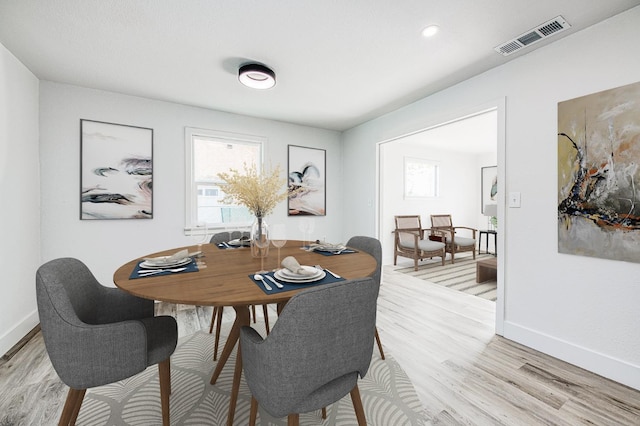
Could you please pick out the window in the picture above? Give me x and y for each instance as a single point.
(208, 153)
(421, 178)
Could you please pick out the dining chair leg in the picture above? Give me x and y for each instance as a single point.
(164, 370)
(218, 327)
(379, 344)
(293, 419)
(71, 407)
(357, 406)
(324, 413)
(76, 410)
(266, 318)
(253, 312)
(253, 414)
(213, 319)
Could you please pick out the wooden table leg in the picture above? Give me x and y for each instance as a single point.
(235, 388)
(242, 318)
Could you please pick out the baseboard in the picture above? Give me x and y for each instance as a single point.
(18, 332)
(604, 365)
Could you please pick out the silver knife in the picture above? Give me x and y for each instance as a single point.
(274, 281)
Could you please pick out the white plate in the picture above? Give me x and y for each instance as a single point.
(310, 272)
(287, 275)
(159, 265)
(299, 281)
(239, 243)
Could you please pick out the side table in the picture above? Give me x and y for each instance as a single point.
(486, 233)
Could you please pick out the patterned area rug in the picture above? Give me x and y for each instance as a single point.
(460, 276)
(387, 394)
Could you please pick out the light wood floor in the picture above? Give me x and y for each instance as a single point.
(462, 372)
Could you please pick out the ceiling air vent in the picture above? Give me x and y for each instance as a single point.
(534, 35)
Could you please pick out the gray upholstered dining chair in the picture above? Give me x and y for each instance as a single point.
(320, 345)
(96, 335)
(216, 316)
(373, 247)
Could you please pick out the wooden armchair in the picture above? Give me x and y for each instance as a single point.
(410, 241)
(454, 244)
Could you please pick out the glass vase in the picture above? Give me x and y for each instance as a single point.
(259, 238)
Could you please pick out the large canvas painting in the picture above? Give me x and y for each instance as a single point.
(116, 171)
(599, 174)
(306, 181)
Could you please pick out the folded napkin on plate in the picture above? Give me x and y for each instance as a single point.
(292, 265)
(163, 260)
(326, 247)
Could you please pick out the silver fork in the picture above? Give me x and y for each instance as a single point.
(322, 269)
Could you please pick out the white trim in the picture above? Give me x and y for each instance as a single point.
(596, 362)
(18, 332)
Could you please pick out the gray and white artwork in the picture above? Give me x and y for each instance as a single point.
(117, 171)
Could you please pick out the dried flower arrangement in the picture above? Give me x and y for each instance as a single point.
(259, 192)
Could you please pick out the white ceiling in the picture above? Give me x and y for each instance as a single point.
(338, 62)
(476, 134)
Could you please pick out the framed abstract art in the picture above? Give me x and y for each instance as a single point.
(599, 173)
(306, 171)
(116, 163)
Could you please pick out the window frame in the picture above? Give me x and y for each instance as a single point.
(191, 190)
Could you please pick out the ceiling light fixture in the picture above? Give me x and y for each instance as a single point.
(430, 31)
(257, 76)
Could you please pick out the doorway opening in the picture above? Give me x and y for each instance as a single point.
(461, 148)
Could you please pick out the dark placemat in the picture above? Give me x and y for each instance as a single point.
(190, 267)
(287, 286)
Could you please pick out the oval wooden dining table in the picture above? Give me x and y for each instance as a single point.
(225, 281)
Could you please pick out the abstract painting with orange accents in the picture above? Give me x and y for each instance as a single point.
(599, 174)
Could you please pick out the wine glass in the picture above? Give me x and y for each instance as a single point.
(202, 237)
(263, 245)
(278, 239)
(306, 225)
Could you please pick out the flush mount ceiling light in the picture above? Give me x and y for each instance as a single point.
(257, 76)
(430, 31)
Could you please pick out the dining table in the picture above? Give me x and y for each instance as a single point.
(223, 275)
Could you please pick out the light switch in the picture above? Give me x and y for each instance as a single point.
(514, 199)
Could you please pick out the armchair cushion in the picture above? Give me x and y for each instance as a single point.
(429, 246)
(465, 242)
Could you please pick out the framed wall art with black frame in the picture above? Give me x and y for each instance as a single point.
(307, 181)
(489, 185)
(116, 171)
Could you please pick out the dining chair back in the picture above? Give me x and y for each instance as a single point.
(320, 345)
(226, 236)
(443, 224)
(373, 247)
(96, 335)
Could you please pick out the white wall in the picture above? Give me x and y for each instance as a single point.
(20, 199)
(105, 245)
(579, 309)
